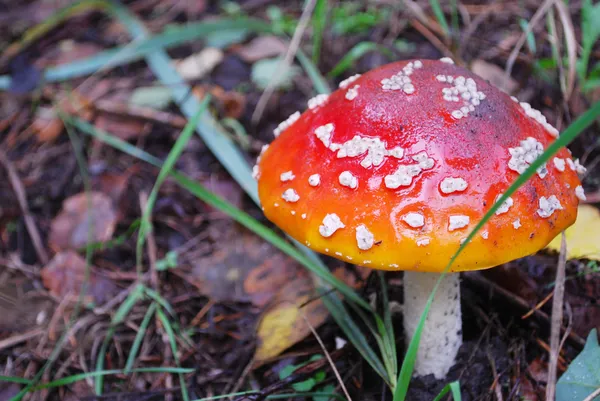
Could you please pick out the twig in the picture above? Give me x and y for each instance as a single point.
(591, 397)
(539, 14)
(537, 306)
(335, 371)
(557, 316)
(287, 60)
(22, 199)
(19, 338)
(567, 23)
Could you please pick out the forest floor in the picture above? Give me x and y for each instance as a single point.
(174, 313)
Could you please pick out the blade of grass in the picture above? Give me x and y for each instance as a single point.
(83, 376)
(356, 53)
(439, 15)
(139, 337)
(453, 387)
(173, 343)
(318, 25)
(133, 298)
(355, 336)
(14, 379)
(165, 170)
(387, 333)
(575, 129)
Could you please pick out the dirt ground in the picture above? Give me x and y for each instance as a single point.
(216, 277)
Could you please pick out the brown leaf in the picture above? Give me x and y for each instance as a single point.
(122, 127)
(244, 269)
(494, 74)
(81, 214)
(112, 184)
(48, 125)
(261, 47)
(284, 324)
(231, 104)
(64, 276)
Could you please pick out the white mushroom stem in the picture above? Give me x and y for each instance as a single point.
(442, 334)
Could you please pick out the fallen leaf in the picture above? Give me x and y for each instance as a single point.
(268, 71)
(200, 64)
(123, 127)
(230, 103)
(112, 184)
(261, 47)
(284, 324)
(582, 377)
(156, 97)
(243, 269)
(84, 217)
(64, 276)
(46, 124)
(582, 239)
(494, 74)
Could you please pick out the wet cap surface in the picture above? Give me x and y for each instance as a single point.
(395, 168)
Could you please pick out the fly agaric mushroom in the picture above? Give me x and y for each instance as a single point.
(394, 169)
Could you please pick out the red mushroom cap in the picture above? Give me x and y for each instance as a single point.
(395, 168)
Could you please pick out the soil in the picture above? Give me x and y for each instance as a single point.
(504, 356)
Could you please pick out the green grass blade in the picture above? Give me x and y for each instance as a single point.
(386, 330)
(355, 336)
(453, 387)
(319, 82)
(173, 343)
(356, 53)
(14, 379)
(319, 20)
(439, 15)
(139, 337)
(160, 300)
(133, 298)
(575, 129)
(83, 376)
(165, 170)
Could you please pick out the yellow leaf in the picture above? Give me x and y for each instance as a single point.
(283, 325)
(583, 240)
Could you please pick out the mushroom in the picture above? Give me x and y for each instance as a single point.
(395, 168)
